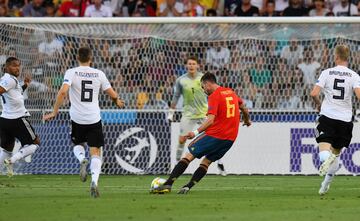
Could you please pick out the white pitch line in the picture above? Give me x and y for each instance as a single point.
(142, 189)
(129, 188)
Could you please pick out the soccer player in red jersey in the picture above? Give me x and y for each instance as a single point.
(214, 137)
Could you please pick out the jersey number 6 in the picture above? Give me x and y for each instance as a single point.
(230, 107)
(86, 93)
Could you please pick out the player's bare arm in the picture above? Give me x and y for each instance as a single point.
(2, 90)
(246, 115)
(27, 81)
(315, 96)
(115, 98)
(59, 101)
(357, 93)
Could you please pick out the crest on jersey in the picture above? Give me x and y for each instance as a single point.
(135, 142)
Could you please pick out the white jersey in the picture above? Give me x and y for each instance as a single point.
(13, 99)
(85, 83)
(338, 84)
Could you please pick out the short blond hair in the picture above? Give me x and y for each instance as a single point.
(343, 52)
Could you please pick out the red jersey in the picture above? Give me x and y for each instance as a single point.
(224, 104)
(69, 10)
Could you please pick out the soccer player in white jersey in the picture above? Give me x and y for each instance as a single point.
(83, 84)
(194, 106)
(13, 120)
(334, 126)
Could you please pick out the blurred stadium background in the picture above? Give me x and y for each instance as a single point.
(271, 63)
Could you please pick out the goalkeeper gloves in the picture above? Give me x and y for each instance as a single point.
(170, 116)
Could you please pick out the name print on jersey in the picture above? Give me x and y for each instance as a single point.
(87, 74)
(340, 73)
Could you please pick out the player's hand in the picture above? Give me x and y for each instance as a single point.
(247, 123)
(182, 139)
(190, 135)
(48, 117)
(27, 80)
(120, 103)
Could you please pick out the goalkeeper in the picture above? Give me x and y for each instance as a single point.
(194, 104)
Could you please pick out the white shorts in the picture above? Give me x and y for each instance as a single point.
(187, 125)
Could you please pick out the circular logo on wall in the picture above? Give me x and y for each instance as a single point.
(129, 160)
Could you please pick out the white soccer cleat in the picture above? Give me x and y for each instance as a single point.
(184, 190)
(9, 168)
(83, 171)
(324, 188)
(326, 164)
(221, 169)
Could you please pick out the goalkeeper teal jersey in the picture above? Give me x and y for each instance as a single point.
(195, 100)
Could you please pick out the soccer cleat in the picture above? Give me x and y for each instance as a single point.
(221, 169)
(184, 190)
(326, 164)
(9, 168)
(161, 189)
(94, 191)
(83, 172)
(324, 188)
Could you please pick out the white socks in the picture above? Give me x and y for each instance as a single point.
(4, 154)
(332, 170)
(179, 151)
(334, 166)
(323, 155)
(79, 152)
(95, 168)
(95, 162)
(219, 161)
(24, 152)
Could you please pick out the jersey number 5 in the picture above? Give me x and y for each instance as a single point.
(339, 88)
(230, 107)
(86, 93)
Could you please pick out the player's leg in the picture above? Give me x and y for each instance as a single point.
(78, 137)
(4, 154)
(7, 142)
(196, 123)
(213, 149)
(181, 166)
(326, 157)
(7, 145)
(344, 131)
(221, 167)
(197, 176)
(329, 177)
(79, 152)
(195, 151)
(186, 125)
(29, 140)
(178, 170)
(95, 139)
(326, 133)
(95, 169)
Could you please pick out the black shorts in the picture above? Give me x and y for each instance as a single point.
(92, 134)
(19, 128)
(336, 132)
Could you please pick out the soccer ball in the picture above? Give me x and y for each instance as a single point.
(156, 183)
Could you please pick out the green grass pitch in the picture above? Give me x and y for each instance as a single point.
(248, 198)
